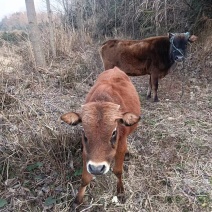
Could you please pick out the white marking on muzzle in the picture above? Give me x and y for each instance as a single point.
(179, 59)
(106, 164)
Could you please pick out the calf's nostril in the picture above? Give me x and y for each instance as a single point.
(91, 168)
(103, 168)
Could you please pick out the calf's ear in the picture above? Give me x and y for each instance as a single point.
(192, 38)
(129, 119)
(71, 118)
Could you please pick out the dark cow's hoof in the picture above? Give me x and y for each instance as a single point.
(127, 156)
(156, 100)
(121, 198)
(148, 97)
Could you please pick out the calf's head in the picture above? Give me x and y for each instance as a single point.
(178, 44)
(101, 132)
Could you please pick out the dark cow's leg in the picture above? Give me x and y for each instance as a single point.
(149, 89)
(118, 167)
(154, 82)
(86, 179)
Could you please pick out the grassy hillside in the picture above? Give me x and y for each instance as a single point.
(170, 164)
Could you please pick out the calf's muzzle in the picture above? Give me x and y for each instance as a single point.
(96, 170)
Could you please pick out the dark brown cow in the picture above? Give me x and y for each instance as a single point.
(153, 56)
(110, 113)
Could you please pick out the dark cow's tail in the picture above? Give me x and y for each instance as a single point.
(105, 49)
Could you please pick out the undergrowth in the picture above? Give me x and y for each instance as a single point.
(170, 166)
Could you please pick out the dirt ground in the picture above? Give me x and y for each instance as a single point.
(170, 163)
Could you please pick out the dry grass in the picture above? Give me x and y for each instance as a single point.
(170, 166)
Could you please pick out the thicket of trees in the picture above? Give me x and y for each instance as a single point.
(135, 18)
(97, 19)
(128, 18)
(18, 21)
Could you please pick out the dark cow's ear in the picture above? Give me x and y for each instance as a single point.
(71, 118)
(129, 119)
(187, 35)
(192, 38)
(170, 35)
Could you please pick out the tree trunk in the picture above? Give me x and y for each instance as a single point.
(51, 31)
(34, 34)
(165, 15)
(80, 18)
(157, 16)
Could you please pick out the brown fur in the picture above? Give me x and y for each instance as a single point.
(140, 57)
(112, 103)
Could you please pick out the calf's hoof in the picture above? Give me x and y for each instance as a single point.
(74, 207)
(121, 198)
(77, 201)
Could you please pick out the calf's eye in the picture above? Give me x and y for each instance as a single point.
(114, 133)
(113, 137)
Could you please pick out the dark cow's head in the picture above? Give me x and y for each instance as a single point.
(179, 43)
(101, 131)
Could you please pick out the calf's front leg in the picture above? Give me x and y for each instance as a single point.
(118, 167)
(86, 179)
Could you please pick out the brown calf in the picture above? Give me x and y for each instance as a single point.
(110, 113)
(153, 56)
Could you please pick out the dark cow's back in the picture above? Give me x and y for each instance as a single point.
(137, 57)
